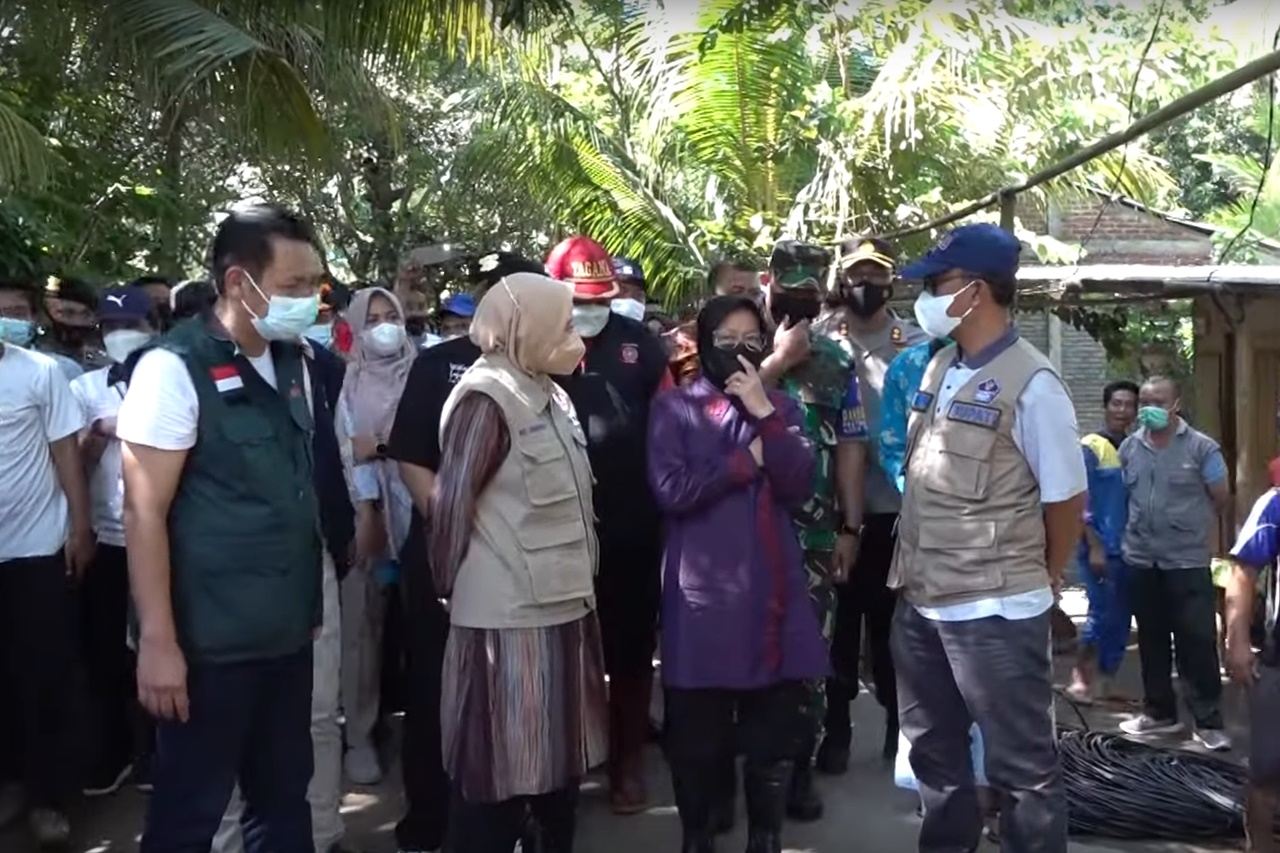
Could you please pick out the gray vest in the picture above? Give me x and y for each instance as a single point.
(1170, 511)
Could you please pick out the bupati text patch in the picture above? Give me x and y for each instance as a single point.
(973, 413)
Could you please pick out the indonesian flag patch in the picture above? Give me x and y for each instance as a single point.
(226, 378)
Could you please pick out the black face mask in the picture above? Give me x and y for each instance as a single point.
(415, 327)
(71, 336)
(719, 363)
(784, 305)
(864, 299)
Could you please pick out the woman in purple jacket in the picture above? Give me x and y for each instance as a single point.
(729, 463)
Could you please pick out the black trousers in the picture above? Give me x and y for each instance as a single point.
(496, 827)
(38, 746)
(426, 628)
(700, 731)
(1177, 613)
(112, 714)
(628, 596)
(864, 599)
(998, 673)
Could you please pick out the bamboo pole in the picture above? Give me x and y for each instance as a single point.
(1242, 76)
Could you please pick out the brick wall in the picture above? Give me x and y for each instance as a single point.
(1123, 236)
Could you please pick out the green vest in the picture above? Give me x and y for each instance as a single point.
(244, 540)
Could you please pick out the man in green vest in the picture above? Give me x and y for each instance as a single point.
(222, 527)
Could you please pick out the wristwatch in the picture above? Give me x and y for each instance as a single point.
(850, 530)
(380, 450)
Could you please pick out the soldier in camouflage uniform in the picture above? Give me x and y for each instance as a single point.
(822, 378)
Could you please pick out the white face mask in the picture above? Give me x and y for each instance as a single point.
(384, 339)
(932, 316)
(630, 308)
(288, 317)
(122, 343)
(590, 320)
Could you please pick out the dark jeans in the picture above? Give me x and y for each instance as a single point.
(250, 723)
(112, 713)
(37, 671)
(496, 827)
(700, 731)
(997, 673)
(1177, 614)
(426, 628)
(867, 598)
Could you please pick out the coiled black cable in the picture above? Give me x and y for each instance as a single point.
(1117, 788)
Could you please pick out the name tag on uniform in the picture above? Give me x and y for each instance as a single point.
(922, 401)
(533, 429)
(987, 417)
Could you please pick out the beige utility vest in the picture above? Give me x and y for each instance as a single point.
(971, 526)
(531, 560)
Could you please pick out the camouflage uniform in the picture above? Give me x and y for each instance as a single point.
(826, 389)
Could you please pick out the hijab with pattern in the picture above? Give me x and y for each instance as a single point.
(525, 317)
(373, 383)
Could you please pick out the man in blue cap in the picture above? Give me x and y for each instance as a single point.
(991, 515)
(630, 301)
(456, 312)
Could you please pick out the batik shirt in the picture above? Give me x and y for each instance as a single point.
(901, 381)
(826, 387)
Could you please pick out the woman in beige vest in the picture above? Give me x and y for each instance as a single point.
(513, 549)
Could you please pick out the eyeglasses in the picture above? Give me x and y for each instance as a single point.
(754, 342)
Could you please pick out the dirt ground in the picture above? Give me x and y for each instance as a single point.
(864, 810)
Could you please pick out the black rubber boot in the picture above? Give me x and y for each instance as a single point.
(833, 757)
(695, 794)
(724, 802)
(890, 749)
(803, 803)
(766, 789)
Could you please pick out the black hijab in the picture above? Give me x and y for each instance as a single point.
(719, 364)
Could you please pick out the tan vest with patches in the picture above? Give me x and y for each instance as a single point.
(972, 526)
(532, 557)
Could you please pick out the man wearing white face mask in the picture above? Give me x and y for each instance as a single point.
(127, 325)
(624, 368)
(991, 515)
(224, 524)
(630, 301)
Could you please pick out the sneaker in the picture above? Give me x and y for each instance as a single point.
(1144, 725)
(107, 782)
(50, 828)
(1214, 740)
(361, 764)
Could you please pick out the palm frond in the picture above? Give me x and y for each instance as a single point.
(26, 159)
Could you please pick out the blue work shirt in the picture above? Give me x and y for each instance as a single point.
(1108, 508)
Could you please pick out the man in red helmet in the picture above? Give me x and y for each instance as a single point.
(624, 368)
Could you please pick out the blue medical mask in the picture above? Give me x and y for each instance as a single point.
(630, 308)
(288, 317)
(321, 333)
(20, 333)
(1154, 417)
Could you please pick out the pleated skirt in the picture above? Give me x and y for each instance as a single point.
(523, 710)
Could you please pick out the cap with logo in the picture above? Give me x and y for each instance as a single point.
(981, 249)
(71, 290)
(584, 264)
(459, 304)
(796, 264)
(858, 250)
(127, 304)
(487, 270)
(625, 269)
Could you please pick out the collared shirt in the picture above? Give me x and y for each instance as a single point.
(1257, 548)
(1045, 432)
(901, 381)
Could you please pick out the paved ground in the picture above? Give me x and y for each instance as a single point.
(865, 812)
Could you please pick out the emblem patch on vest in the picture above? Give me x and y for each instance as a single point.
(987, 417)
(630, 353)
(987, 391)
(922, 401)
(895, 336)
(226, 378)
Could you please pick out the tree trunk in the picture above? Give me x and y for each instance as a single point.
(169, 252)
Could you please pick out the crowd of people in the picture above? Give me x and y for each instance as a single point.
(236, 509)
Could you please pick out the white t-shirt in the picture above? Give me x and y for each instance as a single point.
(100, 400)
(36, 409)
(161, 409)
(1046, 432)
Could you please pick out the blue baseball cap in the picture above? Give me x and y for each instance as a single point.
(629, 270)
(982, 249)
(461, 304)
(124, 305)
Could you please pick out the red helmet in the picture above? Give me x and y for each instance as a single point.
(584, 264)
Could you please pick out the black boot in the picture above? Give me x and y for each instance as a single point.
(696, 793)
(803, 803)
(890, 749)
(766, 789)
(833, 757)
(724, 802)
